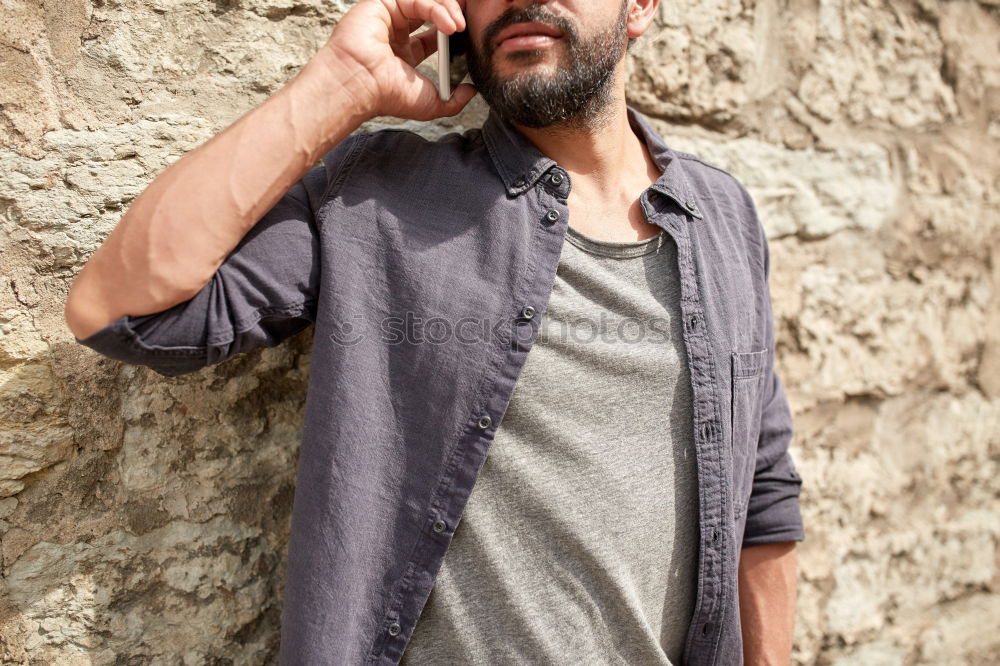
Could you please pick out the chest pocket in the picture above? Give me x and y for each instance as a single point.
(747, 391)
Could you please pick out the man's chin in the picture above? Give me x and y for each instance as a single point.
(540, 73)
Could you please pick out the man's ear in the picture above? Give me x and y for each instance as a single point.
(640, 16)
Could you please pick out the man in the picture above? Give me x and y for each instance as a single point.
(638, 504)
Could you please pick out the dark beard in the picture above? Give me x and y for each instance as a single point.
(578, 96)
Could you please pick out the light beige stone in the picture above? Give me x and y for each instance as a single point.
(146, 519)
(808, 193)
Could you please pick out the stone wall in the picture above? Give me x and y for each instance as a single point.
(144, 518)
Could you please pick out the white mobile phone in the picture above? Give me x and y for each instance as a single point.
(444, 67)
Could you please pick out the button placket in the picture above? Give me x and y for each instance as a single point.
(546, 199)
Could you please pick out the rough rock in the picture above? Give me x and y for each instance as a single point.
(145, 519)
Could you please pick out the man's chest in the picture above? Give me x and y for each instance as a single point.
(622, 223)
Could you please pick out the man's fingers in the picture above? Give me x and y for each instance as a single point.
(433, 11)
(423, 44)
(404, 91)
(399, 24)
(417, 48)
(457, 11)
(427, 104)
(461, 96)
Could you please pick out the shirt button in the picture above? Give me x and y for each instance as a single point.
(552, 215)
(394, 629)
(691, 207)
(439, 526)
(527, 312)
(556, 178)
(484, 422)
(520, 182)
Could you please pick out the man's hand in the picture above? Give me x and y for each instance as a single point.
(374, 40)
(767, 579)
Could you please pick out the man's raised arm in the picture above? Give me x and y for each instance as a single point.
(179, 230)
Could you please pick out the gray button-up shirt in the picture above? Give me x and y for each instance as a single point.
(426, 267)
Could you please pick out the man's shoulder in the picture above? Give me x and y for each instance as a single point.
(723, 197)
(706, 177)
(417, 141)
(403, 158)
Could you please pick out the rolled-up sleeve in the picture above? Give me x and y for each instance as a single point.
(773, 514)
(264, 291)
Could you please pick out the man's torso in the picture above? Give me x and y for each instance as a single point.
(579, 542)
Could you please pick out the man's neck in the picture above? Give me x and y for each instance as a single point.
(609, 167)
(603, 158)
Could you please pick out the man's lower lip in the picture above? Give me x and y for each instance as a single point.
(527, 42)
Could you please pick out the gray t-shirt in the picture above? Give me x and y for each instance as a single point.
(579, 542)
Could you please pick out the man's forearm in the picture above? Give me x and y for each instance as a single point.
(180, 228)
(767, 594)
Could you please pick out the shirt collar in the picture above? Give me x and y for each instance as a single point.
(520, 164)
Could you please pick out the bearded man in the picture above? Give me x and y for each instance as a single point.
(622, 494)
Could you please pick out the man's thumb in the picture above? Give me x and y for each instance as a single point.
(460, 96)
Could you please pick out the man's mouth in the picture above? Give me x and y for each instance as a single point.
(528, 35)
